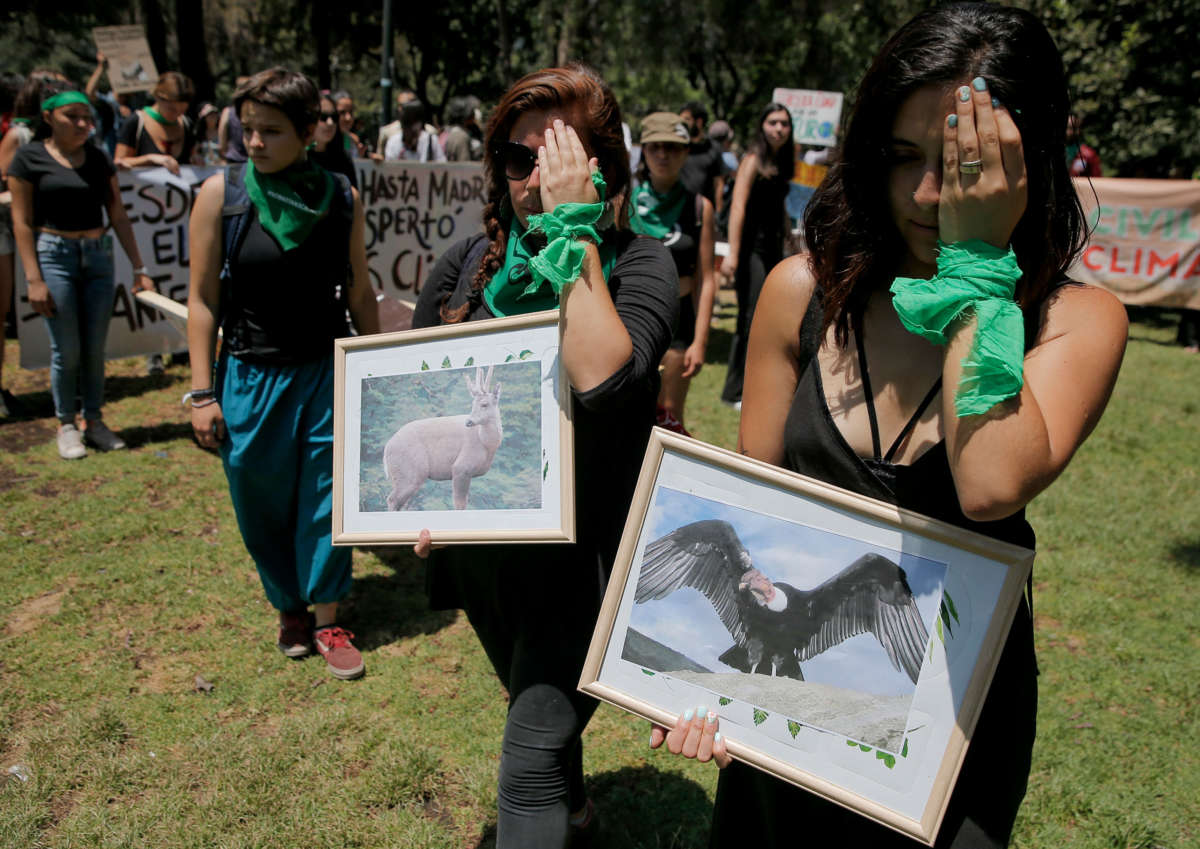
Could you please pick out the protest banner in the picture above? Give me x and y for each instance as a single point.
(1145, 240)
(413, 212)
(815, 114)
(130, 63)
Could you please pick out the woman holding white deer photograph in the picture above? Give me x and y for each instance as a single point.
(556, 236)
(277, 260)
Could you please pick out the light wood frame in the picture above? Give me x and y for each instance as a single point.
(553, 522)
(911, 793)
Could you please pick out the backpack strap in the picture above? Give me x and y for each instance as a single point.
(235, 215)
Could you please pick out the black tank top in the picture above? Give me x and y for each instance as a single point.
(684, 240)
(814, 446)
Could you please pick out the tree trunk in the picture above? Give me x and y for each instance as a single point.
(193, 52)
(320, 30)
(156, 33)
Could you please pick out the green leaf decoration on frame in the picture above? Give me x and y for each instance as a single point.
(793, 728)
(545, 470)
(424, 366)
(851, 743)
(445, 362)
(904, 751)
(470, 361)
(526, 354)
(647, 672)
(724, 700)
(760, 716)
(938, 624)
(945, 617)
(949, 602)
(509, 358)
(889, 760)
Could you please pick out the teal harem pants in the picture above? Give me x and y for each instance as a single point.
(278, 456)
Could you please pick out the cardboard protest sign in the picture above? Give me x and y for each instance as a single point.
(130, 63)
(815, 114)
(1145, 242)
(413, 212)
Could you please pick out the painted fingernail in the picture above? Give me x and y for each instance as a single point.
(964, 94)
(701, 710)
(717, 737)
(712, 717)
(979, 84)
(952, 121)
(995, 103)
(688, 714)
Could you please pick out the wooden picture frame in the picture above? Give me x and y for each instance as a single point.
(882, 731)
(417, 413)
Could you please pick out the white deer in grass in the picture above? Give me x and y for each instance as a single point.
(453, 448)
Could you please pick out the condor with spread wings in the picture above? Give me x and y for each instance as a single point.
(775, 622)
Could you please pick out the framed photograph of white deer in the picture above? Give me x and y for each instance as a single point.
(845, 644)
(462, 429)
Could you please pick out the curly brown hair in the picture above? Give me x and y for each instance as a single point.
(572, 88)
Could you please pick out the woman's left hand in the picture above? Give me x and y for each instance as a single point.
(695, 735)
(144, 283)
(564, 169)
(986, 205)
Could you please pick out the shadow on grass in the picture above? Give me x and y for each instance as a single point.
(387, 608)
(117, 387)
(639, 808)
(138, 437)
(719, 343)
(1186, 554)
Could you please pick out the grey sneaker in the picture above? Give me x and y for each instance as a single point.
(154, 364)
(70, 443)
(99, 436)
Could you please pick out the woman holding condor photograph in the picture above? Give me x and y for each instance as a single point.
(556, 235)
(930, 351)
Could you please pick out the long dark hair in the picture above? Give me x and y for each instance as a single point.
(854, 244)
(782, 163)
(574, 87)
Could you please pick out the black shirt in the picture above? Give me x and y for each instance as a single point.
(703, 165)
(67, 199)
(134, 134)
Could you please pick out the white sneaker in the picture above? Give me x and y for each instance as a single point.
(70, 443)
(99, 436)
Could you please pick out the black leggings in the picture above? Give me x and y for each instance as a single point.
(536, 629)
(751, 273)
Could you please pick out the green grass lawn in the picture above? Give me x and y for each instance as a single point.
(142, 695)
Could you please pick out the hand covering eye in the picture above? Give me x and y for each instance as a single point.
(516, 160)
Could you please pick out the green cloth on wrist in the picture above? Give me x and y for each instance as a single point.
(980, 278)
(561, 261)
(290, 202)
(64, 98)
(654, 214)
(157, 116)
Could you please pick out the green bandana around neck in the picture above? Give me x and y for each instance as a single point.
(157, 116)
(972, 276)
(280, 200)
(24, 121)
(654, 214)
(64, 98)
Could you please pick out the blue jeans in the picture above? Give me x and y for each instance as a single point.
(79, 274)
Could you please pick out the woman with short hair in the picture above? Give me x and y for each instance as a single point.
(161, 133)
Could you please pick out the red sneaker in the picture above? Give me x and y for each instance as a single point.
(343, 659)
(295, 633)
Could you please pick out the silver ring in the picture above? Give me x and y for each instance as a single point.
(975, 166)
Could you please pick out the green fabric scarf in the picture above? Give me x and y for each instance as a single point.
(157, 116)
(655, 214)
(979, 277)
(26, 121)
(282, 200)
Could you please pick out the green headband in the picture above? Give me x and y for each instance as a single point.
(64, 98)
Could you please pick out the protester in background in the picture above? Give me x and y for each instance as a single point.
(1083, 160)
(721, 133)
(403, 96)
(327, 148)
(705, 171)
(229, 132)
(208, 137)
(61, 188)
(346, 122)
(663, 209)
(161, 133)
(846, 354)
(758, 223)
(296, 262)
(413, 143)
(1188, 332)
(534, 606)
(460, 143)
(104, 107)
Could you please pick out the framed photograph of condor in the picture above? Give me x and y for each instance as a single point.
(464, 429)
(845, 644)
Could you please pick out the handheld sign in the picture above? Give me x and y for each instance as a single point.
(815, 114)
(130, 63)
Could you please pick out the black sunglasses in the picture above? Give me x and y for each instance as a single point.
(329, 116)
(516, 159)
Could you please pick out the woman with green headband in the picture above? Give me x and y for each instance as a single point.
(62, 186)
(555, 237)
(160, 134)
(662, 208)
(278, 274)
(933, 315)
